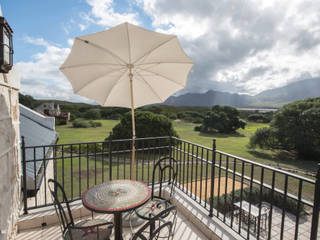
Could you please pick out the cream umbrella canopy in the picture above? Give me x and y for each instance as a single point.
(127, 66)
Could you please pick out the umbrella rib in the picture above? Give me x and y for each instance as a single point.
(162, 76)
(91, 64)
(156, 47)
(104, 49)
(149, 86)
(129, 47)
(149, 63)
(108, 95)
(86, 84)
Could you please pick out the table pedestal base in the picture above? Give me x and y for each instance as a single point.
(117, 221)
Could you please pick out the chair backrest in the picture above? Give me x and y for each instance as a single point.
(165, 170)
(265, 208)
(65, 217)
(166, 224)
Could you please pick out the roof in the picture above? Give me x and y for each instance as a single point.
(37, 130)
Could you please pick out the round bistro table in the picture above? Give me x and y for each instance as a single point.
(115, 197)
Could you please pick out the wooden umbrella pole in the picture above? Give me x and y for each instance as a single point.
(133, 127)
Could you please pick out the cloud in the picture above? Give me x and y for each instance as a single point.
(103, 13)
(242, 46)
(82, 27)
(41, 78)
(70, 41)
(237, 45)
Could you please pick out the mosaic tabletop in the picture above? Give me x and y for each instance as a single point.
(116, 196)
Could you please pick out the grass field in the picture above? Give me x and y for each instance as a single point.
(92, 171)
(235, 144)
(68, 134)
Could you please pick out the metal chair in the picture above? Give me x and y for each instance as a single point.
(160, 225)
(162, 196)
(97, 229)
(265, 211)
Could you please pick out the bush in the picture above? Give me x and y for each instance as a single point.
(60, 121)
(171, 115)
(92, 114)
(148, 124)
(27, 100)
(81, 124)
(95, 124)
(114, 113)
(197, 128)
(265, 138)
(224, 119)
(85, 124)
(72, 117)
(294, 127)
(181, 115)
(258, 118)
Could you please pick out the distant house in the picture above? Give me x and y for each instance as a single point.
(37, 130)
(49, 108)
(53, 109)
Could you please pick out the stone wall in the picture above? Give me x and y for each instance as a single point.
(10, 167)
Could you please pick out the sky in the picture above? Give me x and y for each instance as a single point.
(240, 46)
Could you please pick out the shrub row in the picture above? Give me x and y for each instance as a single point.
(85, 124)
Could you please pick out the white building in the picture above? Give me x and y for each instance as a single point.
(37, 130)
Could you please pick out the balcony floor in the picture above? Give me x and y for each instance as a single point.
(184, 230)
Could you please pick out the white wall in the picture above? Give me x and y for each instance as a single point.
(10, 167)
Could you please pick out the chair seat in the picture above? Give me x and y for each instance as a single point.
(151, 208)
(91, 222)
(89, 233)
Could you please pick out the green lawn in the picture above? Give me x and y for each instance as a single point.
(68, 134)
(235, 144)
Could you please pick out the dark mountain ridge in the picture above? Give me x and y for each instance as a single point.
(270, 98)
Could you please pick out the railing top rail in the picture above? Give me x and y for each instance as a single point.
(269, 168)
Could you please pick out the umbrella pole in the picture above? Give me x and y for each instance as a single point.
(133, 128)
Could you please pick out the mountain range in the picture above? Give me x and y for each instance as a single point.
(268, 99)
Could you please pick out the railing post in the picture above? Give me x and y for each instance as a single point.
(170, 147)
(170, 157)
(24, 169)
(110, 157)
(316, 205)
(212, 176)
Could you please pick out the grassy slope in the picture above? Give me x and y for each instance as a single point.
(67, 134)
(237, 145)
(234, 144)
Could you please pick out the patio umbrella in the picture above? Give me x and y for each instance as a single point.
(127, 66)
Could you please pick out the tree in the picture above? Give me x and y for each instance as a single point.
(258, 118)
(265, 138)
(224, 119)
(92, 114)
(27, 100)
(148, 124)
(295, 127)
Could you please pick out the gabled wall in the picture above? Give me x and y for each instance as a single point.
(10, 167)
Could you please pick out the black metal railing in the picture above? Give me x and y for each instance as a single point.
(255, 200)
(223, 184)
(79, 165)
